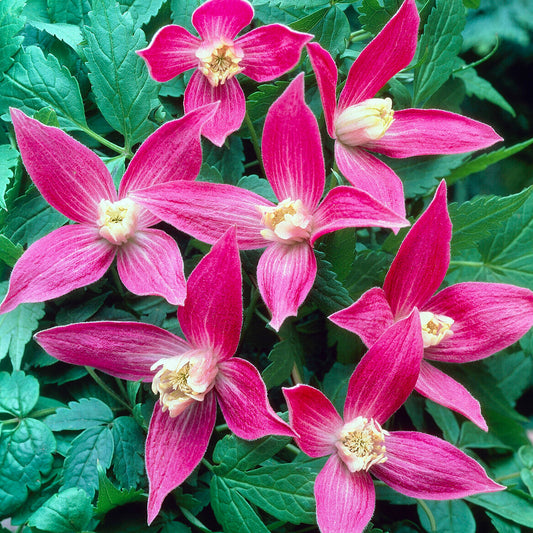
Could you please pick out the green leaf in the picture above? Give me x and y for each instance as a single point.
(333, 31)
(111, 58)
(68, 33)
(452, 516)
(25, 454)
(259, 102)
(9, 252)
(18, 393)
(307, 24)
(228, 159)
(110, 497)
(283, 356)
(209, 174)
(511, 504)
(438, 47)
(69, 11)
(259, 186)
(526, 455)
(335, 384)
(503, 526)
(86, 413)
(339, 248)
(8, 159)
(527, 478)
(128, 457)
(17, 327)
(47, 116)
(445, 419)
(474, 437)
(182, 11)
(69, 511)
(11, 22)
(373, 16)
(367, 270)
(36, 81)
(141, 11)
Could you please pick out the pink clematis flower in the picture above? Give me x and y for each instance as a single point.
(361, 123)
(262, 54)
(74, 180)
(463, 322)
(294, 165)
(412, 463)
(190, 375)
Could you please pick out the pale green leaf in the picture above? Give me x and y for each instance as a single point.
(18, 393)
(110, 497)
(182, 11)
(333, 31)
(11, 22)
(445, 419)
(511, 504)
(451, 516)
(128, 457)
(141, 11)
(68, 33)
(69, 11)
(86, 413)
(9, 252)
(8, 159)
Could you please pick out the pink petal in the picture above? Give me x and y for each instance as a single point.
(488, 318)
(442, 389)
(387, 373)
(368, 173)
(344, 501)
(71, 178)
(292, 150)
(285, 275)
(314, 420)
(126, 350)
(175, 446)
(389, 52)
(230, 113)
(151, 263)
(432, 131)
(242, 397)
(171, 52)
(347, 207)
(222, 18)
(66, 259)
(422, 260)
(369, 317)
(326, 76)
(206, 210)
(271, 51)
(423, 466)
(212, 315)
(172, 152)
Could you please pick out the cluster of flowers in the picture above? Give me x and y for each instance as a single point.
(403, 324)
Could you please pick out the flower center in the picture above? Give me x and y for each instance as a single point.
(435, 328)
(361, 444)
(183, 379)
(219, 61)
(364, 122)
(117, 220)
(288, 222)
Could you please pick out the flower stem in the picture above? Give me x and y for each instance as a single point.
(255, 139)
(35, 414)
(359, 35)
(249, 312)
(103, 386)
(102, 140)
(427, 510)
(296, 376)
(207, 464)
(507, 476)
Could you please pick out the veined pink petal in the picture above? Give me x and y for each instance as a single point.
(222, 18)
(432, 131)
(171, 52)
(387, 373)
(423, 466)
(71, 178)
(212, 314)
(172, 152)
(442, 389)
(292, 150)
(271, 51)
(422, 260)
(366, 172)
(326, 76)
(389, 52)
(175, 446)
(242, 397)
(206, 210)
(314, 420)
(285, 275)
(488, 318)
(347, 207)
(344, 501)
(151, 263)
(369, 317)
(126, 350)
(68, 258)
(230, 114)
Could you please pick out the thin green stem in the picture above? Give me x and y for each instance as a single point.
(427, 510)
(249, 312)
(295, 375)
(222, 427)
(251, 163)
(507, 476)
(255, 139)
(359, 35)
(479, 61)
(102, 140)
(35, 414)
(275, 525)
(103, 386)
(207, 464)
(294, 449)
(476, 264)
(123, 391)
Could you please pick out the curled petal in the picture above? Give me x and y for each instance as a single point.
(423, 466)
(222, 18)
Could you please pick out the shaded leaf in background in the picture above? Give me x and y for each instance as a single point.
(9, 252)
(373, 16)
(128, 456)
(8, 159)
(511, 504)
(110, 497)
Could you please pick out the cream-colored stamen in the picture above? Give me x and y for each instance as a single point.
(117, 220)
(219, 61)
(435, 328)
(288, 222)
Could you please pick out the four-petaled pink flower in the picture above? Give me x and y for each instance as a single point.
(190, 375)
(462, 323)
(294, 165)
(360, 123)
(262, 54)
(75, 181)
(412, 463)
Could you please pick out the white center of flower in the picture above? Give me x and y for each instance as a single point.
(183, 379)
(361, 444)
(288, 222)
(219, 61)
(435, 328)
(117, 220)
(364, 122)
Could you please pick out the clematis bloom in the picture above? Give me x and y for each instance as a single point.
(75, 181)
(360, 123)
(263, 54)
(463, 322)
(191, 375)
(412, 463)
(294, 165)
